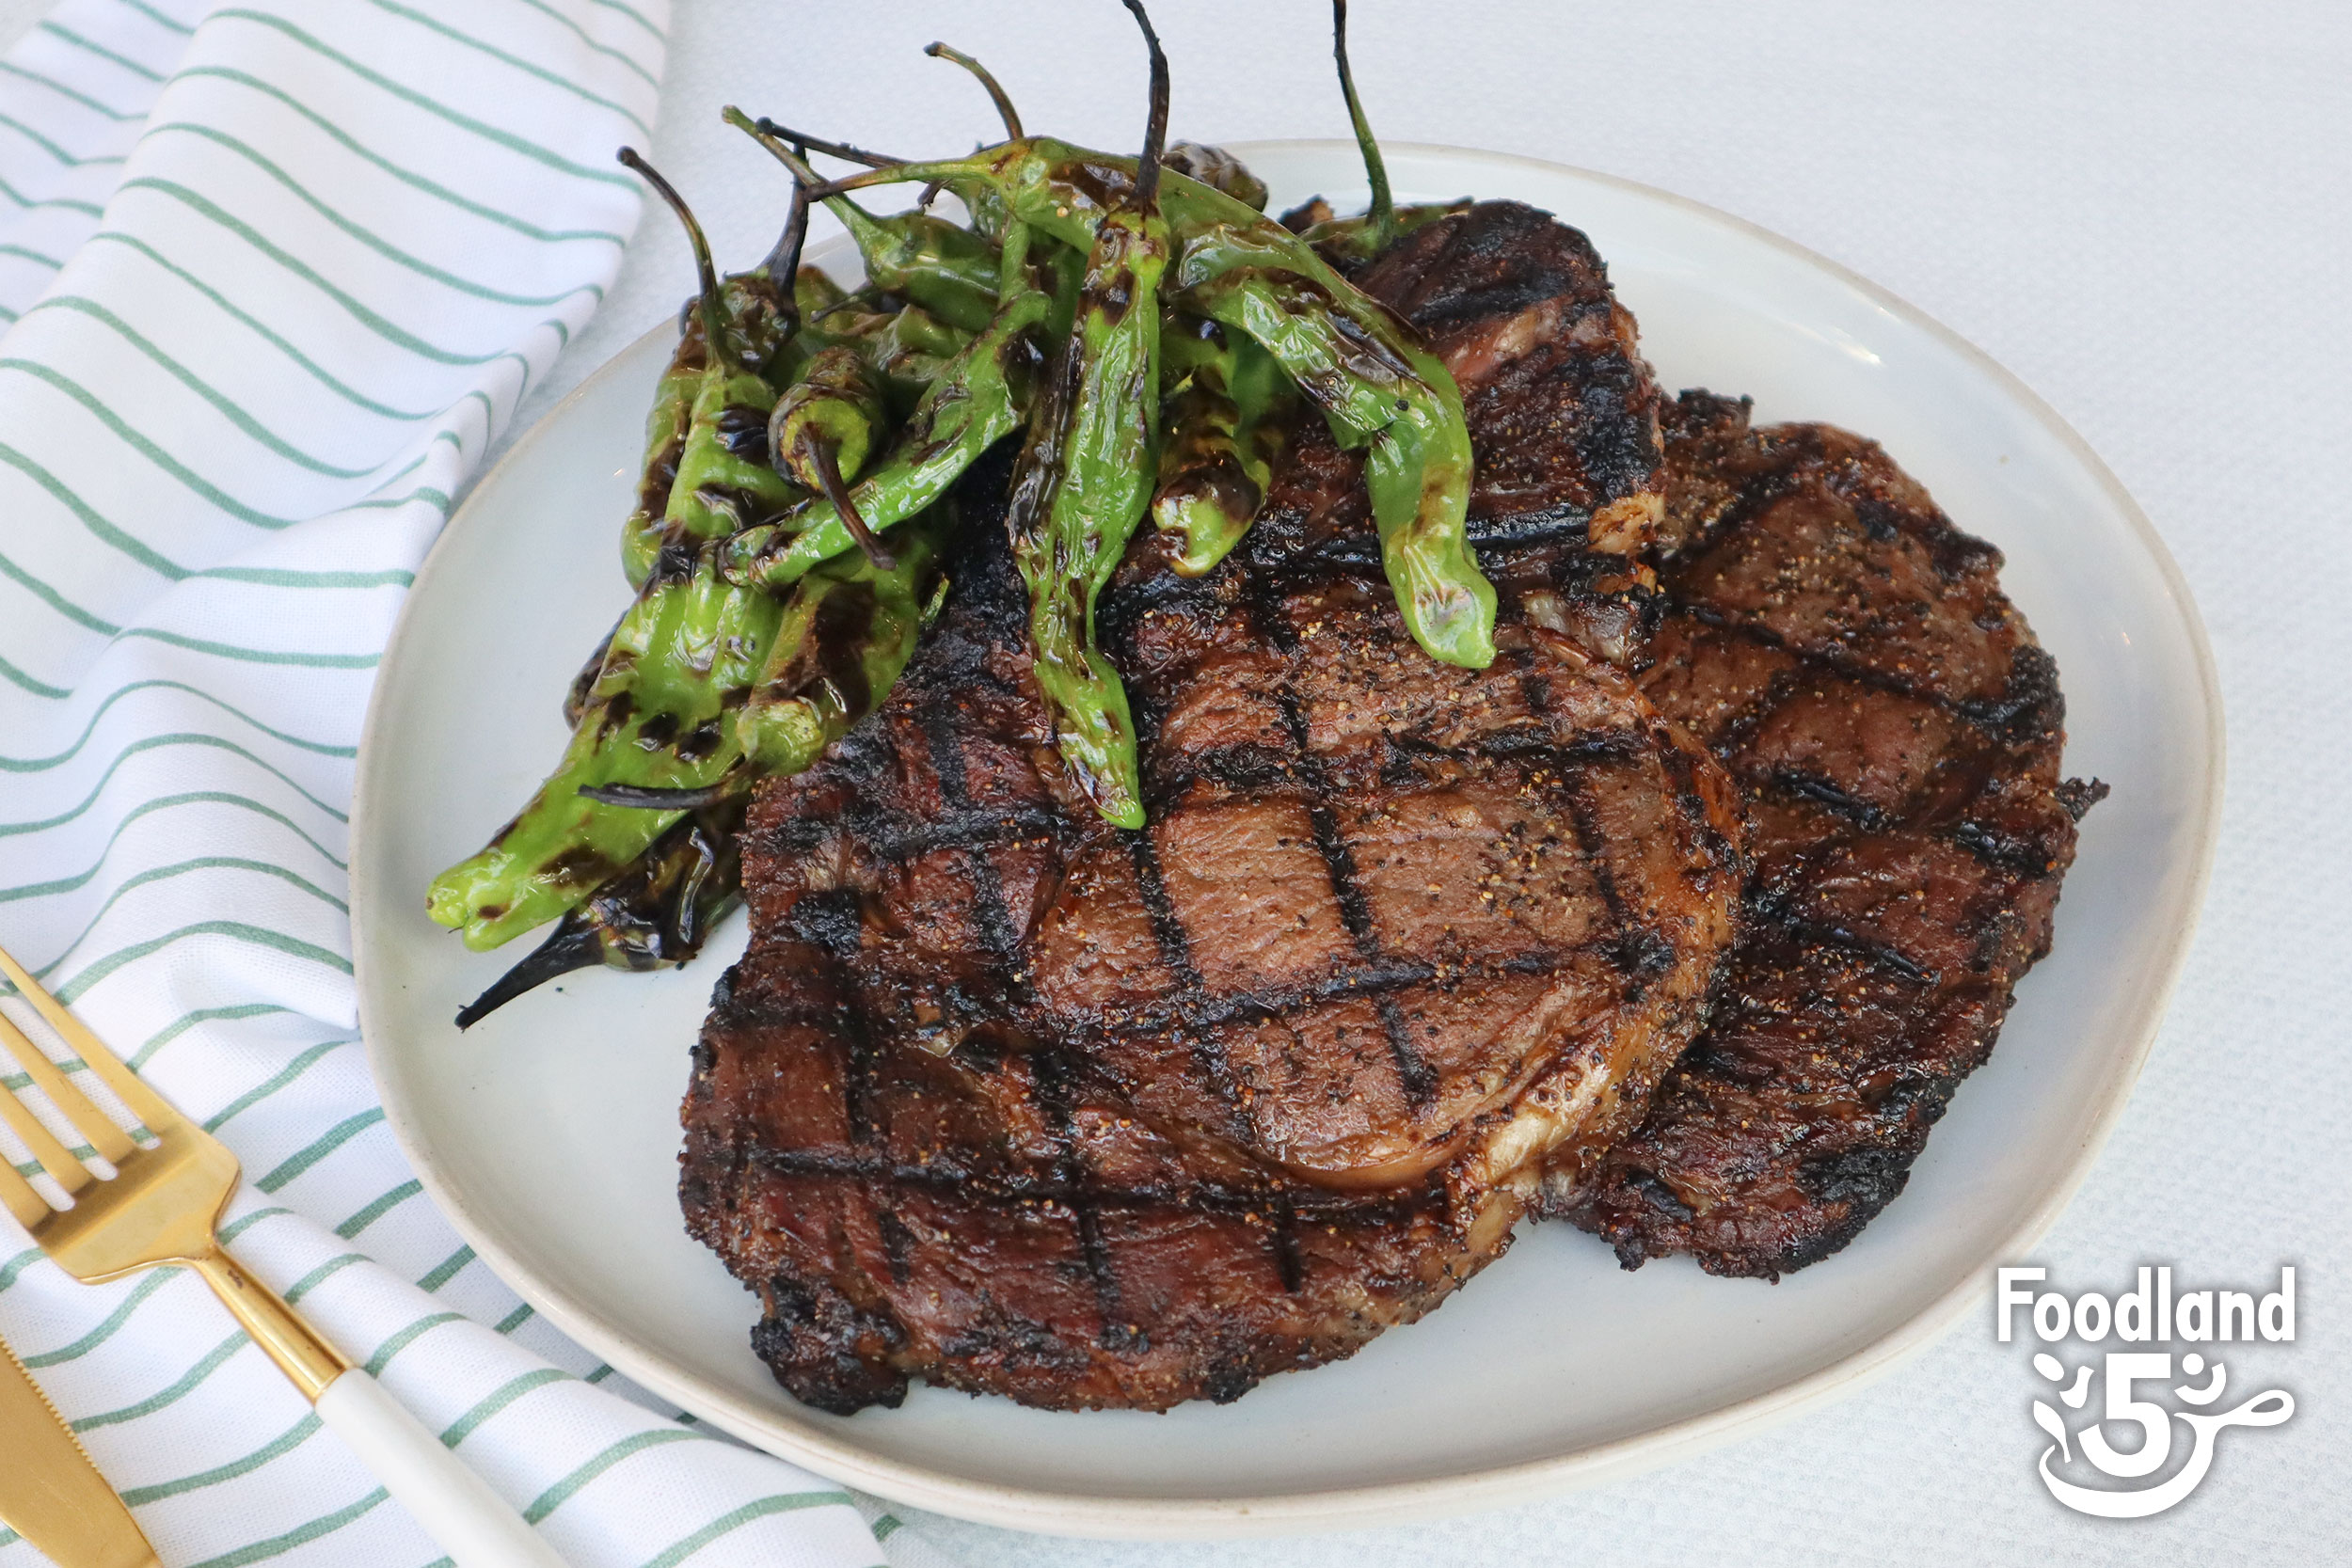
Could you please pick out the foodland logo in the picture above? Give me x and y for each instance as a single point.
(2150, 1314)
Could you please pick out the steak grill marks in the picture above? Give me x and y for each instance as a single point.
(1048, 1081)
(1420, 1084)
(1902, 755)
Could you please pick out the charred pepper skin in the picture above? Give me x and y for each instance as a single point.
(846, 634)
(658, 912)
(1224, 402)
(1085, 480)
(978, 398)
(1375, 389)
(724, 479)
(735, 328)
(666, 423)
(661, 714)
(838, 646)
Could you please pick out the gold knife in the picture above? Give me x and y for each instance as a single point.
(50, 1493)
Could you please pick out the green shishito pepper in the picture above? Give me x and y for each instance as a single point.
(656, 912)
(1085, 479)
(908, 352)
(942, 266)
(840, 643)
(978, 398)
(731, 333)
(823, 426)
(725, 479)
(660, 716)
(1217, 169)
(1226, 402)
(847, 632)
(834, 406)
(1392, 397)
(1375, 385)
(701, 672)
(1086, 476)
(945, 268)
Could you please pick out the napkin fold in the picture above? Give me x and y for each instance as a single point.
(273, 275)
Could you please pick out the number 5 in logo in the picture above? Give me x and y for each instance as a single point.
(2153, 1420)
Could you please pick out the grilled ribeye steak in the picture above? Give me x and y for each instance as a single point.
(1849, 653)
(1010, 1100)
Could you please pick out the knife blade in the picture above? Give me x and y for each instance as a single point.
(50, 1493)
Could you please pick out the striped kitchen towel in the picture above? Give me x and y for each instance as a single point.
(273, 275)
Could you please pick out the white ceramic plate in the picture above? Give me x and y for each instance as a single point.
(548, 1133)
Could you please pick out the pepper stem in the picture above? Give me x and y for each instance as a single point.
(713, 308)
(811, 186)
(830, 148)
(783, 262)
(1004, 104)
(828, 467)
(1383, 211)
(1156, 127)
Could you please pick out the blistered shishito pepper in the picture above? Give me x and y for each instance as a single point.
(1377, 388)
(656, 912)
(837, 647)
(660, 716)
(978, 398)
(1351, 239)
(942, 266)
(1217, 169)
(910, 351)
(1224, 418)
(699, 471)
(843, 638)
(1086, 476)
(1391, 396)
(724, 479)
(848, 631)
(823, 427)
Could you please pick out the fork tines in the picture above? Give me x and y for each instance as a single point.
(97, 1128)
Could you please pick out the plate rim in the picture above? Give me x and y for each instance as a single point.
(1047, 1511)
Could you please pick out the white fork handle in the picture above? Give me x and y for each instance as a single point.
(457, 1507)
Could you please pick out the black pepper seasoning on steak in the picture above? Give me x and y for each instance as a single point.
(1850, 657)
(1014, 1101)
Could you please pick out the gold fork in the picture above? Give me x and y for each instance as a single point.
(159, 1210)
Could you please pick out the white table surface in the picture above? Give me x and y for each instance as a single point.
(2144, 208)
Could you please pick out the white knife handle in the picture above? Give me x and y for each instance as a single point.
(457, 1507)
